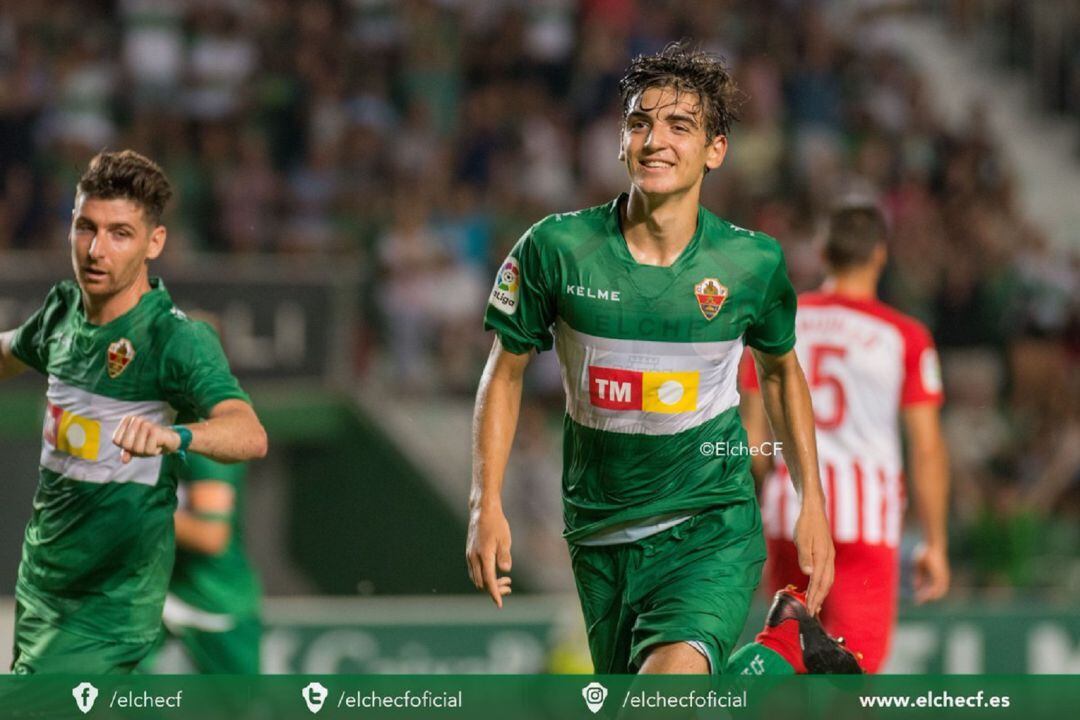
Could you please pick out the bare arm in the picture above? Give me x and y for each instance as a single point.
(752, 412)
(196, 532)
(232, 433)
(498, 401)
(791, 416)
(928, 466)
(10, 366)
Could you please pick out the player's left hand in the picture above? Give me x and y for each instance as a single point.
(138, 437)
(931, 573)
(814, 544)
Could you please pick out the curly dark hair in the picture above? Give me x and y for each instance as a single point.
(686, 69)
(127, 174)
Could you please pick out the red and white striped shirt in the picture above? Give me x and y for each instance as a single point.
(864, 362)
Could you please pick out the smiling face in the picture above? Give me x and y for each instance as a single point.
(664, 143)
(111, 242)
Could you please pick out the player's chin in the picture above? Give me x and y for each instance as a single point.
(657, 186)
(95, 285)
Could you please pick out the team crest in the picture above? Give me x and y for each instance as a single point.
(121, 353)
(710, 297)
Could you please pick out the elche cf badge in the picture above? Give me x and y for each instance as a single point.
(121, 353)
(710, 297)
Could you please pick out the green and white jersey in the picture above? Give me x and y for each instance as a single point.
(210, 592)
(98, 549)
(649, 357)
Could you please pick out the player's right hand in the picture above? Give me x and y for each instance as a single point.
(139, 437)
(487, 551)
(816, 553)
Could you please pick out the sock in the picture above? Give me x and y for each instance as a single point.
(775, 651)
(757, 659)
(784, 640)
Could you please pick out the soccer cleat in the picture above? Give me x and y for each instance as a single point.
(821, 653)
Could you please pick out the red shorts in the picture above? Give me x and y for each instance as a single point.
(861, 607)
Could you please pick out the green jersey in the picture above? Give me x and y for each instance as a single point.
(649, 358)
(213, 590)
(98, 549)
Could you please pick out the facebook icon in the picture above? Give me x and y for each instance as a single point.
(85, 694)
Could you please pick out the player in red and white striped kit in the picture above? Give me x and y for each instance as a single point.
(870, 370)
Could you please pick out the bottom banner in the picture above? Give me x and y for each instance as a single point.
(563, 697)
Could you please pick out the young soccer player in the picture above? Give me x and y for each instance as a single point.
(871, 369)
(649, 301)
(128, 376)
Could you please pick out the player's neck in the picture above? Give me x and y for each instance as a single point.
(854, 284)
(102, 310)
(658, 229)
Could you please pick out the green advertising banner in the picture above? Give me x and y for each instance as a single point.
(538, 697)
(534, 635)
(545, 634)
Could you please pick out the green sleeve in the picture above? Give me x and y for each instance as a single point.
(199, 467)
(195, 374)
(521, 308)
(30, 344)
(773, 331)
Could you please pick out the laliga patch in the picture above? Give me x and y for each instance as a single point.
(710, 296)
(121, 353)
(504, 296)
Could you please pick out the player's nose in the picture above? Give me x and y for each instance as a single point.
(95, 250)
(652, 140)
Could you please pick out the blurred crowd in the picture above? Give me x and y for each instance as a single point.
(424, 136)
(1041, 40)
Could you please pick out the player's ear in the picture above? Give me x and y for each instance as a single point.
(157, 243)
(715, 152)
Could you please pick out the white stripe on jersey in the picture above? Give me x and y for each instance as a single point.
(873, 499)
(863, 504)
(716, 365)
(78, 431)
(894, 507)
(844, 501)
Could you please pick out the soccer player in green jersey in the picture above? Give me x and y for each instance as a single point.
(213, 602)
(129, 375)
(648, 301)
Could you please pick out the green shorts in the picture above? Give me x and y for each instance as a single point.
(690, 583)
(42, 647)
(234, 651)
